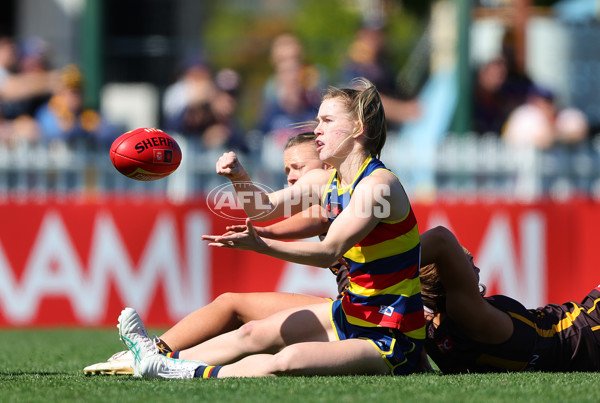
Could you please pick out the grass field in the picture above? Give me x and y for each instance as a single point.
(46, 365)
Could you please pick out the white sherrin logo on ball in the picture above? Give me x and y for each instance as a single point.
(224, 201)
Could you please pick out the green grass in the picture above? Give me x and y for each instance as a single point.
(46, 365)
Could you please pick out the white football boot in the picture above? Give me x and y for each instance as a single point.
(120, 363)
(135, 337)
(159, 366)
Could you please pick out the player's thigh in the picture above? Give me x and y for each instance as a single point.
(346, 357)
(294, 325)
(260, 305)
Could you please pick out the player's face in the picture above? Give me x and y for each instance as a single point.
(334, 130)
(300, 159)
(475, 268)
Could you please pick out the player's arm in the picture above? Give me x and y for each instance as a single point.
(305, 224)
(478, 319)
(359, 218)
(262, 206)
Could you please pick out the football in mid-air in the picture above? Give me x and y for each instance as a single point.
(145, 154)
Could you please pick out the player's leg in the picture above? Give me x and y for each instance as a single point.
(228, 312)
(270, 335)
(346, 357)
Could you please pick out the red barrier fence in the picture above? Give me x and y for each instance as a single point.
(78, 263)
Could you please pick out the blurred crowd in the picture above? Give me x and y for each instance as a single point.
(42, 104)
(204, 105)
(508, 103)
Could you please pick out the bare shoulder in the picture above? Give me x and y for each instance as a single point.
(387, 191)
(387, 177)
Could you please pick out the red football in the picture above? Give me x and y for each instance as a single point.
(145, 154)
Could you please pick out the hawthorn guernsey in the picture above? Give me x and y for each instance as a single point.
(145, 154)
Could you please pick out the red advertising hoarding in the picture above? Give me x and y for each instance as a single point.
(80, 262)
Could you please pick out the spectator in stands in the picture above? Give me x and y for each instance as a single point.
(225, 132)
(517, 84)
(541, 124)
(286, 100)
(193, 87)
(365, 58)
(28, 81)
(572, 127)
(501, 85)
(202, 107)
(22, 87)
(532, 124)
(63, 117)
(8, 59)
(489, 107)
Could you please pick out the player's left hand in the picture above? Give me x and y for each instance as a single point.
(235, 228)
(232, 229)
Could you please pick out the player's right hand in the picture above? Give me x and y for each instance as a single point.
(230, 167)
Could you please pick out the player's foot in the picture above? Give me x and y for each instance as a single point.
(120, 363)
(161, 346)
(135, 337)
(159, 366)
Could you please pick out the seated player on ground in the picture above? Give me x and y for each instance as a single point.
(471, 333)
(378, 325)
(498, 333)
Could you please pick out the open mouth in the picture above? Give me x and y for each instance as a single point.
(320, 144)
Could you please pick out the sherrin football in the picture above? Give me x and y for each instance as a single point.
(145, 154)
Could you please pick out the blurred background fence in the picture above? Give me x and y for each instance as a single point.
(522, 74)
(465, 168)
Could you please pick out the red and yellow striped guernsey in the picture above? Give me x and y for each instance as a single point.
(385, 290)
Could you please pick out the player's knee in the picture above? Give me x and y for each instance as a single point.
(226, 299)
(247, 334)
(232, 302)
(285, 361)
(246, 330)
(255, 337)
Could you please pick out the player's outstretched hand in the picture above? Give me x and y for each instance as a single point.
(245, 240)
(230, 167)
(236, 228)
(231, 229)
